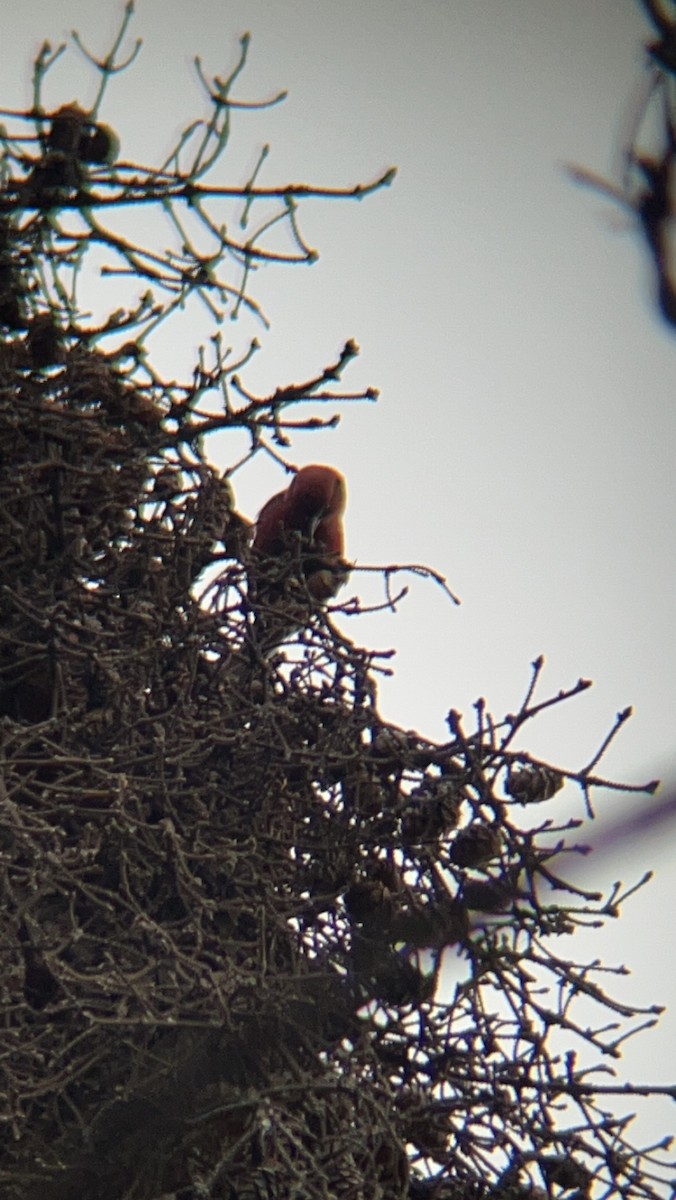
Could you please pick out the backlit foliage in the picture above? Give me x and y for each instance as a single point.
(230, 889)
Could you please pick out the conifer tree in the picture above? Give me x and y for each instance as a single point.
(228, 884)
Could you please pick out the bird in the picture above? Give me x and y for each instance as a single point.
(297, 556)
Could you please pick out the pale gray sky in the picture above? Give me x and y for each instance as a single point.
(524, 440)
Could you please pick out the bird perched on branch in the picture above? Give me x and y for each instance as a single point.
(298, 550)
(304, 524)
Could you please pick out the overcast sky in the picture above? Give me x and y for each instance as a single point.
(524, 441)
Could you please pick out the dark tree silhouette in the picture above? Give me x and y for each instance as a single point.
(228, 885)
(647, 188)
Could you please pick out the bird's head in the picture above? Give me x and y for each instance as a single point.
(316, 492)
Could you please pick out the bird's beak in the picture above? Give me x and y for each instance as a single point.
(314, 523)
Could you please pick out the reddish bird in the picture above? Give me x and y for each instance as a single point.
(299, 545)
(312, 506)
(304, 524)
